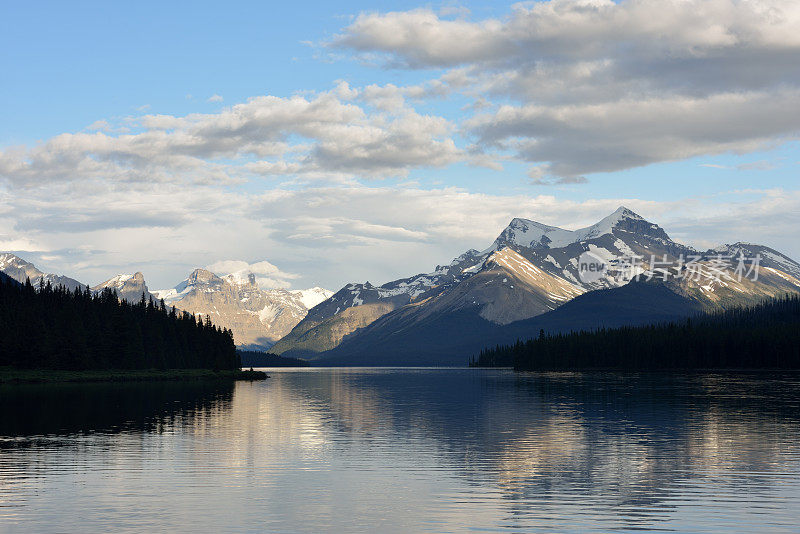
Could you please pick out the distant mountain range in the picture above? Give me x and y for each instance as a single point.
(258, 317)
(21, 270)
(529, 279)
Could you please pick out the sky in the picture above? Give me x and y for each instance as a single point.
(322, 143)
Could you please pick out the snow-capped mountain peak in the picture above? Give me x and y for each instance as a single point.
(203, 277)
(129, 287)
(19, 269)
(258, 317)
(241, 278)
(312, 296)
(118, 280)
(11, 260)
(528, 233)
(531, 234)
(198, 279)
(606, 225)
(768, 257)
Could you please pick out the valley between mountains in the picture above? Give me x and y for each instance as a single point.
(527, 280)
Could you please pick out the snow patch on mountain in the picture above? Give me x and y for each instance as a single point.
(532, 234)
(312, 296)
(257, 316)
(117, 281)
(556, 288)
(20, 270)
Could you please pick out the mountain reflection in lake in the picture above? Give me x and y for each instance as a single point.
(405, 450)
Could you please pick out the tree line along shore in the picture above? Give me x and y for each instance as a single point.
(764, 336)
(51, 333)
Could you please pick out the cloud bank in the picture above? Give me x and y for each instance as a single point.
(571, 88)
(587, 86)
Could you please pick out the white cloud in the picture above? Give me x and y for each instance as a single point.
(267, 275)
(582, 139)
(215, 98)
(335, 234)
(760, 165)
(18, 244)
(715, 166)
(576, 31)
(598, 85)
(321, 135)
(572, 87)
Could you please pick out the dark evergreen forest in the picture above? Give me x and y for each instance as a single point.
(766, 336)
(49, 327)
(252, 358)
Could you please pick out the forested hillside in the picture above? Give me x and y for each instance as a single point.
(55, 328)
(252, 358)
(766, 336)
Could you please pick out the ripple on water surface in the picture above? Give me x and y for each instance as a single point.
(437, 450)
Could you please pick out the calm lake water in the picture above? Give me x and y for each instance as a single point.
(405, 450)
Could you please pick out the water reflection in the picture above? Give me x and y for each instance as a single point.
(30, 411)
(406, 450)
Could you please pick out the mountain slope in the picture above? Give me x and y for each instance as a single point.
(128, 287)
(451, 338)
(540, 260)
(20, 270)
(257, 317)
(530, 270)
(357, 305)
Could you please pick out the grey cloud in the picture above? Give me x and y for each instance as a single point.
(576, 31)
(332, 235)
(578, 140)
(559, 180)
(761, 165)
(602, 86)
(92, 220)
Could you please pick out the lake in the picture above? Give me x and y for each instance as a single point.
(405, 450)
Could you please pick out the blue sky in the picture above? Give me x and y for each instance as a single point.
(549, 111)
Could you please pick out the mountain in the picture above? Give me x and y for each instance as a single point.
(447, 338)
(129, 287)
(613, 239)
(357, 305)
(258, 317)
(519, 284)
(451, 338)
(20, 270)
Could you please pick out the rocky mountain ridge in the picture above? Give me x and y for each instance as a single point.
(529, 270)
(130, 287)
(258, 317)
(21, 270)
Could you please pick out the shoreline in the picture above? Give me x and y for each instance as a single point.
(58, 376)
